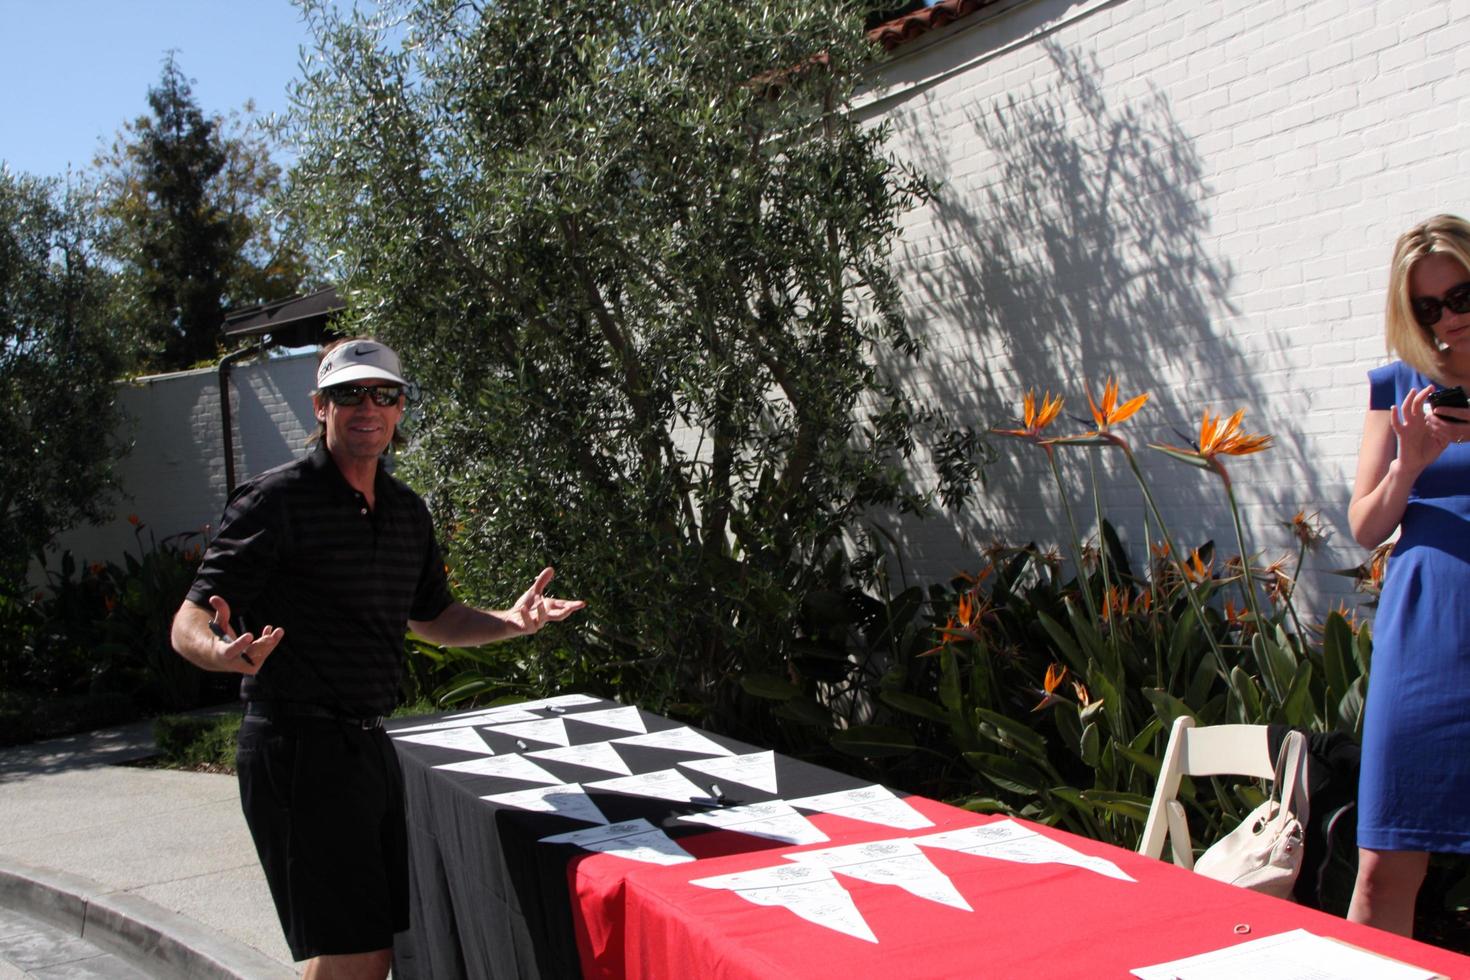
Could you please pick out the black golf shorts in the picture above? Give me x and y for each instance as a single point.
(324, 802)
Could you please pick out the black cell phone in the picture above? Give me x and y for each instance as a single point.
(1449, 398)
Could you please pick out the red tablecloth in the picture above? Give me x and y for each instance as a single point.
(1027, 921)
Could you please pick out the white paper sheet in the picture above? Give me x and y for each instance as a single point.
(553, 730)
(565, 799)
(1294, 955)
(678, 740)
(807, 890)
(622, 719)
(559, 701)
(776, 820)
(665, 784)
(1006, 840)
(506, 767)
(594, 755)
(756, 769)
(871, 804)
(461, 739)
(636, 840)
(888, 862)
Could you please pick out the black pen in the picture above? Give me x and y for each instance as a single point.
(219, 631)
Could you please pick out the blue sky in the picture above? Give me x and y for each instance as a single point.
(73, 71)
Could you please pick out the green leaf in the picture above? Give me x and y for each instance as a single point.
(1146, 761)
(1363, 649)
(873, 741)
(1081, 440)
(1337, 645)
(1273, 670)
(804, 711)
(949, 682)
(1112, 703)
(1006, 772)
(1133, 806)
(1182, 456)
(768, 686)
(1350, 708)
(1063, 642)
(1069, 725)
(1073, 795)
(914, 705)
(1296, 707)
(1086, 632)
(1091, 742)
(1184, 637)
(1205, 677)
(1011, 733)
(1247, 698)
(1166, 705)
(984, 804)
(455, 693)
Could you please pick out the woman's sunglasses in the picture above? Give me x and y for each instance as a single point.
(1428, 309)
(384, 395)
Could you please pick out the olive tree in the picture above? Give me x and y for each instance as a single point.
(57, 365)
(636, 253)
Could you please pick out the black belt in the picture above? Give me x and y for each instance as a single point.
(292, 709)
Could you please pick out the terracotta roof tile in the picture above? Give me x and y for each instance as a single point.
(903, 29)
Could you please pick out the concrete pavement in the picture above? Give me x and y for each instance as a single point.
(106, 869)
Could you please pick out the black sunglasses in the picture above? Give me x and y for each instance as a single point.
(349, 395)
(1428, 309)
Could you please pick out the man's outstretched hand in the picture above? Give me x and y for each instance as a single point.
(245, 653)
(534, 609)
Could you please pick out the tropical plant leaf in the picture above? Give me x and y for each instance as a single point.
(1133, 806)
(914, 705)
(873, 741)
(1006, 772)
(804, 711)
(1011, 733)
(768, 686)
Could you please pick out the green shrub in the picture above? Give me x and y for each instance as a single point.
(102, 629)
(194, 741)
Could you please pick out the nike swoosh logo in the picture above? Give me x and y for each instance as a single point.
(360, 350)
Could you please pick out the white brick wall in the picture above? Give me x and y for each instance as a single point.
(173, 478)
(1197, 197)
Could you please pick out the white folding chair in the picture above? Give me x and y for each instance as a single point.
(1214, 750)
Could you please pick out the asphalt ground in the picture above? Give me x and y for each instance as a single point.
(117, 871)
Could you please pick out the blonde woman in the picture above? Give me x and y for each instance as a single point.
(1414, 477)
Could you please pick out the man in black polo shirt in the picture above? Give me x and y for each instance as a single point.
(325, 563)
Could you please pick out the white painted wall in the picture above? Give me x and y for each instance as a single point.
(173, 479)
(1198, 197)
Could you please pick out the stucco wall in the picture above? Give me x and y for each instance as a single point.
(1199, 198)
(173, 478)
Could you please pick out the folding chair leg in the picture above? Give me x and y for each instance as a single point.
(1179, 843)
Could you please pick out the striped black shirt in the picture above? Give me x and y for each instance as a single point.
(299, 548)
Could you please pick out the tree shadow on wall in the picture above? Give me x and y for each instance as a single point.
(1077, 250)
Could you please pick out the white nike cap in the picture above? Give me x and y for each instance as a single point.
(358, 360)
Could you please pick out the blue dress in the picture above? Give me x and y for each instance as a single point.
(1414, 791)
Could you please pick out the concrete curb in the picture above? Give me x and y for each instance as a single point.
(161, 943)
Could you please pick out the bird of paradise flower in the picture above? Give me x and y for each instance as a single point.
(1219, 438)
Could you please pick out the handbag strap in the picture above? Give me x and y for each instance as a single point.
(1288, 768)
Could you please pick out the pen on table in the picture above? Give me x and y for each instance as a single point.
(219, 631)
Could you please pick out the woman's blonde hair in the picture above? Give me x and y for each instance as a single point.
(1444, 234)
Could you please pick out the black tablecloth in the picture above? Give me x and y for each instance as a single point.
(488, 898)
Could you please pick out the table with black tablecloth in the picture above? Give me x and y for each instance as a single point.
(815, 874)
